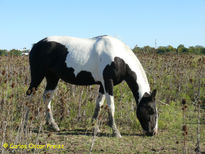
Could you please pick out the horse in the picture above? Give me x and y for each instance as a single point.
(102, 60)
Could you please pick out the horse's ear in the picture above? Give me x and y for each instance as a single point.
(153, 95)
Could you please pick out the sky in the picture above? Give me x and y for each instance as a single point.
(135, 22)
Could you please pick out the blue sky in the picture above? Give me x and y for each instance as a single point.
(169, 22)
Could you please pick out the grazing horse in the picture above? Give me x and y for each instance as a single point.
(101, 60)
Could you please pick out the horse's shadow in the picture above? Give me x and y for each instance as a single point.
(90, 133)
(79, 132)
(84, 132)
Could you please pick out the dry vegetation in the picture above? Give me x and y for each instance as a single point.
(181, 127)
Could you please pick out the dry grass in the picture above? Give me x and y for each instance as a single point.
(176, 77)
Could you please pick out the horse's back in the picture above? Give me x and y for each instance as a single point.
(76, 55)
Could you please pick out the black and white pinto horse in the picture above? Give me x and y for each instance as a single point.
(101, 60)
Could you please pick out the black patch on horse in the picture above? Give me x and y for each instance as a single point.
(47, 59)
(118, 71)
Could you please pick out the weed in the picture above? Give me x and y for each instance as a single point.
(175, 77)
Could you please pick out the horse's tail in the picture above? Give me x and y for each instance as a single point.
(37, 66)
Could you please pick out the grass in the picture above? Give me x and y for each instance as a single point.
(176, 77)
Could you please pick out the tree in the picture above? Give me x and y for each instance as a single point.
(3, 52)
(15, 52)
(203, 50)
(199, 49)
(162, 49)
(171, 48)
(136, 49)
(181, 49)
(148, 49)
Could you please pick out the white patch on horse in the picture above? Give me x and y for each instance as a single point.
(156, 126)
(93, 55)
(110, 102)
(100, 99)
(81, 56)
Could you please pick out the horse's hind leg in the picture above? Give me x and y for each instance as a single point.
(36, 78)
(99, 102)
(52, 82)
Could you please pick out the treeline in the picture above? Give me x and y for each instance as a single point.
(13, 52)
(170, 49)
(161, 49)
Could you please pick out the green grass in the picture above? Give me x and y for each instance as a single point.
(176, 77)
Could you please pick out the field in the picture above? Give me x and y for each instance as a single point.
(178, 78)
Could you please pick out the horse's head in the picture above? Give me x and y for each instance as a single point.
(147, 113)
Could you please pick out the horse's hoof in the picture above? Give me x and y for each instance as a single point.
(117, 134)
(55, 127)
(96, 129)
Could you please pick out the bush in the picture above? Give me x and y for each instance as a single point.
(3, 53)
(15, 52)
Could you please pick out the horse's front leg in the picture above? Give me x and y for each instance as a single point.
(111, 105)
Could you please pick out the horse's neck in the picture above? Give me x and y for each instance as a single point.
(144, 87)
(141, 81)
(138, 88)
(141, 78)
(138, 84)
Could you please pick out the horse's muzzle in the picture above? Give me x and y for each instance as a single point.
(154, 132)
(150, 133)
